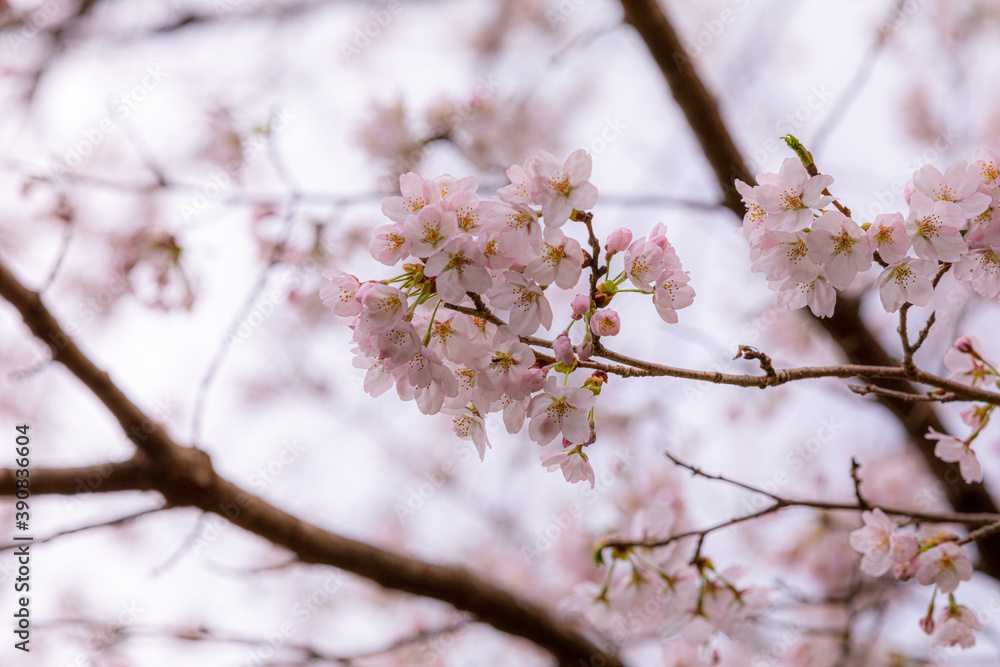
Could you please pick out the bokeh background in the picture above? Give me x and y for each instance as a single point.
(175, 175)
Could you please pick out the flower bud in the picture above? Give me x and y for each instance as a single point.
(963, 344)
(618, 240)
(580, 306)
(903, 547)
(584, 350)
(563, 349)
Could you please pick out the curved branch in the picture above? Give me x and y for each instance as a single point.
(845, 326)
(185, 477)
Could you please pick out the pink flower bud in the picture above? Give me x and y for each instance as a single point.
(605, 323)
(580, 306)
(618, 240)
(535, 379)
(963, 344)
(903, 547)
(585, 350)
(927, 624)
(563, 349)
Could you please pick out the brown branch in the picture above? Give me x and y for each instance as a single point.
(845, 326)
(184, 476)
(990, 522)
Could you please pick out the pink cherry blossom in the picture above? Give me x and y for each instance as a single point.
(389, 244)
(560, 409)
(935, 227)
(980, 267)
(469, 425)
(753, 221)
(459, 267)
(510, 365)
(987, 165)
(963, 362)
(817, 293)
(873, 542)
(959, 185)
(953, 450)
(427, 381)
(382, 306)
(907, 282)
(572, 462)
(790, 196)
(518, 193)
(841, 247)
(671, 293)
(416, 194)
(605, 323)
(429, 230)
(560, 261)
(954, 627)
(888, 236)
(524, 300)
(560, 188)
(945, 566)
(338, 294)
(786, 258)
(643, 263)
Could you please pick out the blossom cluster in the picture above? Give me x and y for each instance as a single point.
(938, 561)
(666, 593)
(470, 263)
(809, 251)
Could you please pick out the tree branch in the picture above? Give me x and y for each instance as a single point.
(185, 477)
(845, 326)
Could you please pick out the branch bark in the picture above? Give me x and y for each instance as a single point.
(184, 476)
(845, 326)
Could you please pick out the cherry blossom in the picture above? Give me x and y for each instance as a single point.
(618, 241)
(524, 300)
(560, 409)
(671, 293)
(468, 424)
(907, 282)
(459, 267)
(382, 306)
(935, 227)
(389, 244)
(944, 566)
(840, 246)
(874, 542)
(955, 625)
(953, 450)
(817, 293)
(790, 196)
(560, 261)
(965, 363)
(572, 462)
(560, 188)
(959, 185)
(605, 323)
(429, 229)
(338, 294)
(416, 194)
(888, 237)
